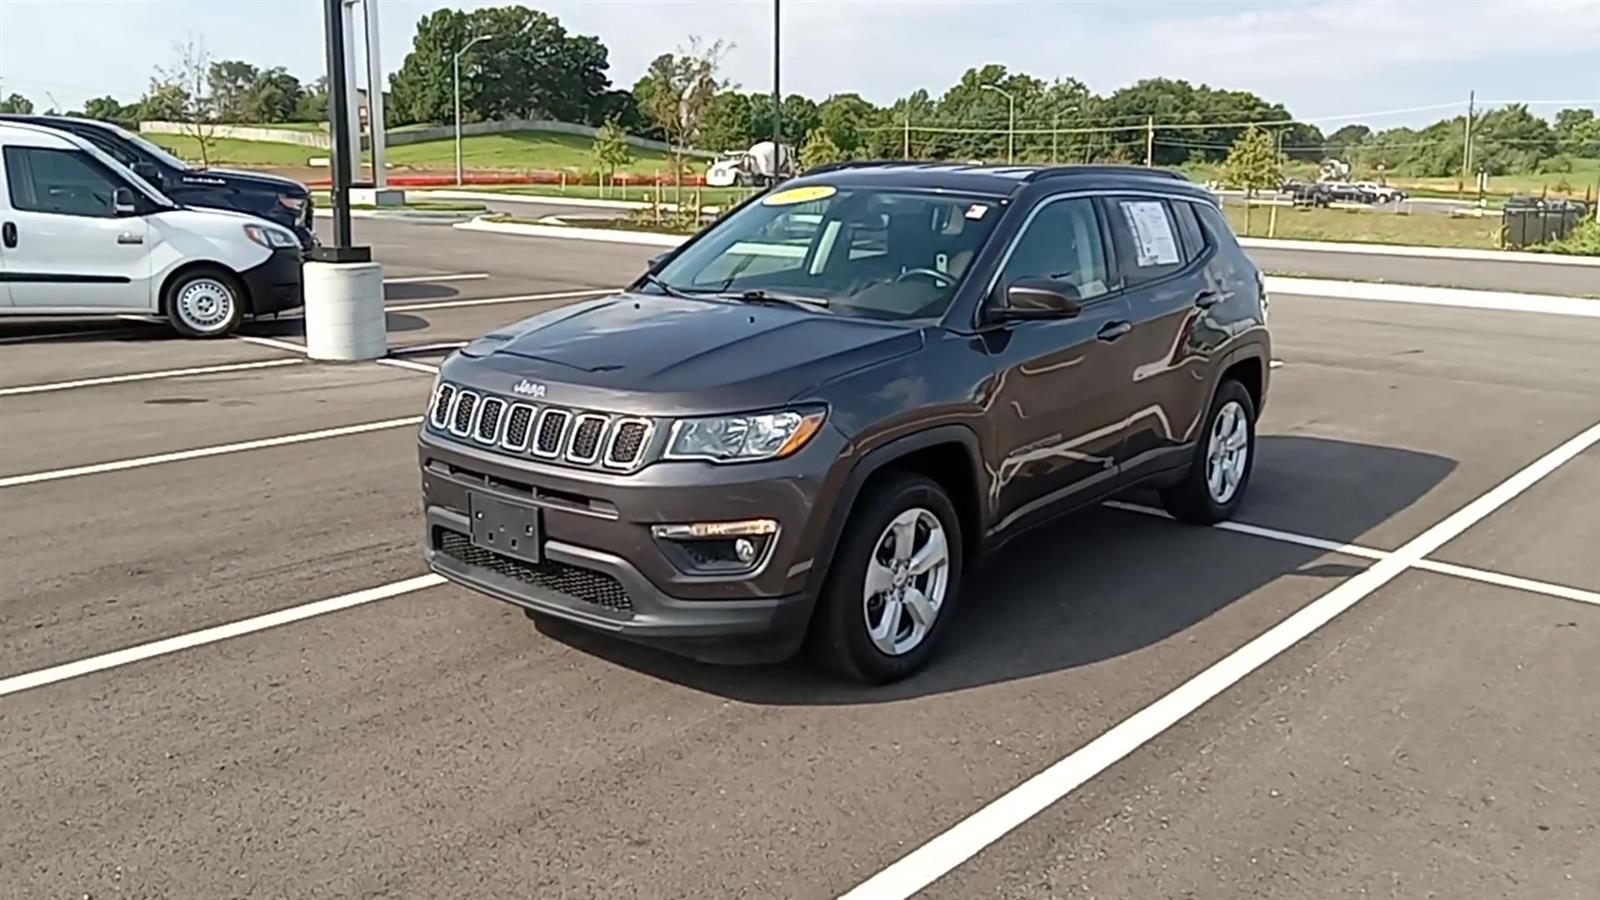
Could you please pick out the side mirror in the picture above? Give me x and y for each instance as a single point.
(1039, 298)
(124, 202)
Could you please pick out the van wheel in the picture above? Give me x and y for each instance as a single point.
(204, 303)
(892, 587)
(1223, 458)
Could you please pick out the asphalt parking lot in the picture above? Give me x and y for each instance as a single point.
(1390, 657)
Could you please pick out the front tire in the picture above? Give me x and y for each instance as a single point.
(893, 584)
(1223, 458)
(204, 303)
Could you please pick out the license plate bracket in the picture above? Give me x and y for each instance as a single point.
(510, 529)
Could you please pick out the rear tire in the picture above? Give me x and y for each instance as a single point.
(1223, 458)
(204, 303)
(893, 585)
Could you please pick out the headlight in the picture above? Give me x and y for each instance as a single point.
(747, 438)
(271, 238)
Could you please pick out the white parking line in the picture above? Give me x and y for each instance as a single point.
(931, 861)
(202, 452)
(146, 376)
(42, 677)
(413, 365)
(493, 301)
(274, 343)
(430, 279)
(1530, 585)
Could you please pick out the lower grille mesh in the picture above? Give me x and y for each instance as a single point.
(585, 585)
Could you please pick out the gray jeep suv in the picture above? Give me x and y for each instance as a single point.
(801, 425)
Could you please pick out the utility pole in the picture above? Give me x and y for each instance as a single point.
(375, 116)
(1466, 146)
(777, 100)
(456, 66)
(1149, 141)
(1272, 216)
(905, 151)
(334, 17)
(1011, 120)
(1055, 126)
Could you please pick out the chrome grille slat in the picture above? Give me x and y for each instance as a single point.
(588, 436)
(463, 413)
(519, 428)
(490, 413)
(551, 434)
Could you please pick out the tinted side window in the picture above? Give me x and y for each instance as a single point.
(107, 146)
(1062, 242)
(1194, 240)
(1215, 225)
(1147, 239)
(67, 182)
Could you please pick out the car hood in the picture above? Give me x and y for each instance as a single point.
(250, 181)
(649, 354)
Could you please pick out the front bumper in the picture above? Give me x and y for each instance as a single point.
(276, 284)
(601, 567)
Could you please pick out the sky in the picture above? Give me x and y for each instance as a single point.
(1383, 62)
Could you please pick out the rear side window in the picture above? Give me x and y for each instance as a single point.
(1147, 239)
(1194, 240)
(66, 182)
(1215, 225)
(1062, 242)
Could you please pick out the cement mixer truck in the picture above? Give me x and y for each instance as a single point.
(763, 164)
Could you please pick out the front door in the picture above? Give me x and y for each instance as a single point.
(1064, 388)
(68, 249)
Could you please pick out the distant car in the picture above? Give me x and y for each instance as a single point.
(279, 200)
(81, 234)
(764, 443)
(1379, 193)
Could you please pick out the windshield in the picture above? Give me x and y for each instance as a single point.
(156, 150)
(887, 254)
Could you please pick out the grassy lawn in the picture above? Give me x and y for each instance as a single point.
(518, 151)
(1425, 230)
(1585, 174)
(232, 152)
(708, 196)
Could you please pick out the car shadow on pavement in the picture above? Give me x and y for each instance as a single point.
(294, 326)
(418, 290)
(1103, 582)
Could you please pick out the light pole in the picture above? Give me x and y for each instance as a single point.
(1011, 121)
(456, 65)
(1055, 126)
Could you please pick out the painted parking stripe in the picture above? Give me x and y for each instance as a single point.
(409, 364)
(432, 279)
(203, 452)
(493, 301)
(146, 376)
(931, 861)
(1510, 581)
(104, 661)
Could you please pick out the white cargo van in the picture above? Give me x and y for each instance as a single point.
(82, 235)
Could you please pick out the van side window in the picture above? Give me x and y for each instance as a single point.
(1147, 239)
(1062, 242)
(1194, 240)
(66, 182)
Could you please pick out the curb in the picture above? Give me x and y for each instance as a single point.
(1554, 259)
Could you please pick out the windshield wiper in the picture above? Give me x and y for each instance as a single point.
(667, 288)
(760, 296)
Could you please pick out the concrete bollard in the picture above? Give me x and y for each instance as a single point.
(344, 311)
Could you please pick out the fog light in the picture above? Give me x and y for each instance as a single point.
(715, 529)
(745, 550)
(717, 548)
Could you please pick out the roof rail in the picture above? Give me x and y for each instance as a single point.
(859, 164)
(1105, 169)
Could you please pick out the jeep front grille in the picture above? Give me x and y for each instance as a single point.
(575, 437)
(586, 585)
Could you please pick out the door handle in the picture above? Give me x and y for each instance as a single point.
(1207, 299)
(128, 237)
(1113, 330)
(8, 234)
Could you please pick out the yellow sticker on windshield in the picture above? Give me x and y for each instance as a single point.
(799, 195)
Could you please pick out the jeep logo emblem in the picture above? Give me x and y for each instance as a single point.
(529, 389)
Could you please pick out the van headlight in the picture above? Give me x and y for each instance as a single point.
(271, 238)
(744, 438)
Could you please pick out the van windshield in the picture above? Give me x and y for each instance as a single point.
(886, 254)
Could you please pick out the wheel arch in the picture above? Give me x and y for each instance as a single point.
(196, 265)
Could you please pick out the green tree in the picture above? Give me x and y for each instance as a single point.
(611, 151)
(186, 83)
(274, 97)
(727, 124)
(313, 103)
(16, 103)
(527, 67)
(819, 149)
(1343, 143)
(106, 109)
(846, 119)
(1252, 164)
(676, 91)
(1577, 132)
(231, 82)
(798, 115)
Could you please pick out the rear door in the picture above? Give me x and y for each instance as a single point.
(1162, 253)
(71, 251)
(1064, 386)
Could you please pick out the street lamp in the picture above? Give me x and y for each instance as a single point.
(1011, 126)
(1055, 126)
(456, 64)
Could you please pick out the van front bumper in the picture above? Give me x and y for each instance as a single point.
(276, 284)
